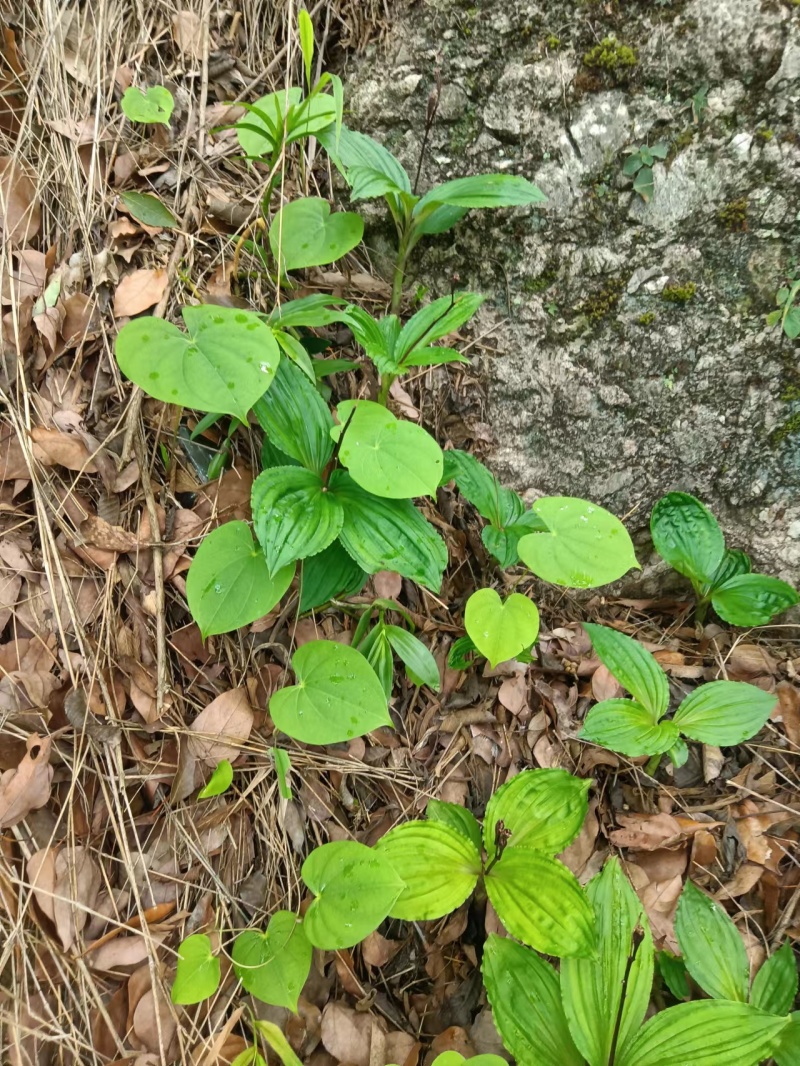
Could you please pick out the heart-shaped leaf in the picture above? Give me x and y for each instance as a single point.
(273, 966)
(541, 809)
(293, 514)
(501, 630)
(586, 546)
(224, 365)
(386, 455)
(628, 727)
(337, 696)
(228, 584)
(724, 712)
(439, 865)
(197, 975)
(540, 902)
(355, 888)
(304, 233)
(152, 105)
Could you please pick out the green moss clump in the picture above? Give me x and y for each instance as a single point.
(610, 56)
(601, 304)
(540, 283)
(683, 140)
(788, 429)
(553, 42)
(733, 216)
(765, 135)
(791, 393)
(647, 319)
(679, 294)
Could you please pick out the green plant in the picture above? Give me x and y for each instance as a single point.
(610, 56)
(639, 166)
(788, 313)
(498, 630)
(383, 641)
(733, 216)
(719, 712)
(675, 293)
(153, 105)
(689, 538)
(593, 1011)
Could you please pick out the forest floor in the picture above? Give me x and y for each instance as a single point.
(107, 857)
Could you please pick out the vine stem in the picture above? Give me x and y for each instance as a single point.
(398, 277)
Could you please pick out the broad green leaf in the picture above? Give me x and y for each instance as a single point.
(525, 998)
(586, 546)
(591, 989)
(383, 534)
(752, 599)
(436, 320)
(330, 575)
(673, 971)
(482, 190)
(293, 514)
(788, 1051)
(627, 727)
(296, 418)
(481, 488)
(305, 29)
(439, 220)
(313, 311)
(366, 183)
(197, 974)
(228, 584)
(633, 666)
(540, 902)
(541, 809)
(358, 150)
(227, 361)
(632, 164)
(150, 105)
(678, 753)
(644, 183)
(705, 1033)
(724, 712)
(457, 817)
(273, 965)
(791, 324)
(355, 889)
(304, 233)
(687, 536)
(775, 986)
(418, 661)
(337, 695)
(385, 455)
(712, 948)
(148, 209)
(439, 865)
(291, 347)
(734, 562)
(453, 1058)
(376, 337)
(501, 630)
(219, 782)
(433, 357)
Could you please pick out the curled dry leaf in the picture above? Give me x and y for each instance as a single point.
(646, 831)
(187, 32)
(28, 787)
(41, 869)
(101, 534)
(604, 685)
(221, 729)
(25, 276)
(78, 882)
(20, 212)
(347, 1035)
(138, 291)
(54, 448)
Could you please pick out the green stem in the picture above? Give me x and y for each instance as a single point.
(652, 765)
(403, 248)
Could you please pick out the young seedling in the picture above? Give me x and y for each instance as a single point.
(688, 537)
(722, 713)
(639, 167)
(153, 105)
(788, 313)
(380, 643)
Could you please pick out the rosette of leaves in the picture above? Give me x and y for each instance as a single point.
(722, 713)
(593, 1011)
(687, 536)
(379, 643)
(639, 167)
(443, 859)
(788, 313)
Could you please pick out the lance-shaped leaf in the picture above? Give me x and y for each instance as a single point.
(633, 666)
(225, 363)
(525, 998)
(354, 886)
(496, 504)
(273, 965)
(420, 665)
(457, 817)
(197, 975)
(712, 947)
(787, 1052)
(330, 575)
(627, 727)
(724, 712)
(304, 233)
(355, 149)
(541, 809)
(687, 536)
(337, 695)
(439, 865)
(481, 190)
(586, 546)
(706, 1033)
(435, 321)
(294, 515)
(775, 985)
(752, 599)
(540, 902)
(592, 989)
(296, 418)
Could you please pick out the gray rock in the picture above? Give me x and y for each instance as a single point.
(597, 385)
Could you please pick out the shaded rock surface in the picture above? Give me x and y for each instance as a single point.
(598, 385)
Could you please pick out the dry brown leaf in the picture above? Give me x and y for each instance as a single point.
(787, 710)
(26, 278)
(513, 693)
(750, 660)
(376, 950)
(13, 464)
(54, 448)
(713, 762)
(646, 831)
(20, 212)
(122, 952)
(41, 869)
(346, 1034)
(577, 855)
(28, 787)
(138, 291)
(387, 584)
(78, 882)
(220, 730)
(187, 32)
(102, 534)
(604, 685)
(154, 1024)
(80, 320)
